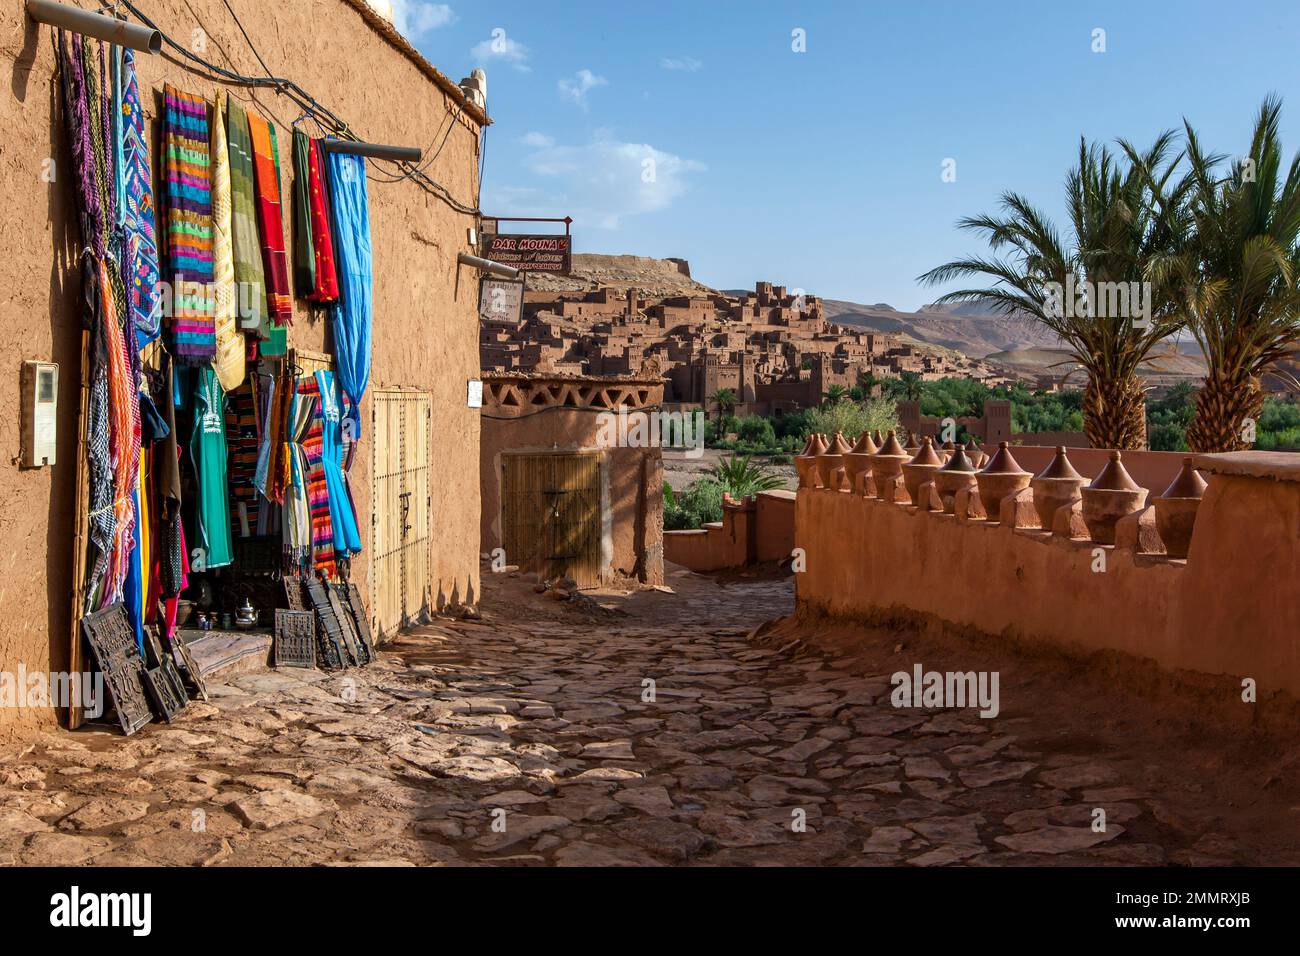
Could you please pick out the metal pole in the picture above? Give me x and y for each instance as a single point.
(487, 265)
(398, 154)
(95, 25)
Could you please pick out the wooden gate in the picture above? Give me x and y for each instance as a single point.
(551, 514)
(400, 508)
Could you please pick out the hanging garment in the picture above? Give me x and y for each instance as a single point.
(322, 227)
(208, 452)
(304, 258)
(170, 553)
(229, 359)
(189, 225)
(297, 498)
(242, 440)
(347, 541)
(352, 314)
(322, 532)
(250, 278)
(266, 167)
(141, 262)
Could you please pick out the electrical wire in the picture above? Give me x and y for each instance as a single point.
(308, 103)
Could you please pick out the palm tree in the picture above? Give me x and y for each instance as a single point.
(739, 477)
(834, 394)
(868, 381)
(725, 399)
(1118, 236)
(1240, 278)
(911, 386)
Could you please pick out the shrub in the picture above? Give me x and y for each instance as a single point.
(852, 419)
(701, 502)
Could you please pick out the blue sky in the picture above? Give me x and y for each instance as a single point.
(823, 170)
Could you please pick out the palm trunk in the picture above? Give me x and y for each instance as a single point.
(1114, 413)
(1225, 402)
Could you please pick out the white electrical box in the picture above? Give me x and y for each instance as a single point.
(40, 400)
(475, 393)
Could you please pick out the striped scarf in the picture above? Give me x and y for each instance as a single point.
(229, 360)
(247, 249)
(141, 265)
(189, 225)
(241, 440)
(326, 287)
(266, 165)
(318, 498)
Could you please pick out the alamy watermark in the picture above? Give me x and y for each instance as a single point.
(923, 688)
(41, 690)
(1115, 300)
(654, 429)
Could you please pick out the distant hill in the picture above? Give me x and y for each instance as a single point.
(970, 327)
(652, 277)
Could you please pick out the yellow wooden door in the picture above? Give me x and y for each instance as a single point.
(550, 515)
(400, 508)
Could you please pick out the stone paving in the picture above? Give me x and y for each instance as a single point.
(531, 737)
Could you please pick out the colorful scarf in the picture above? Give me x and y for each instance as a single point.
(304, 258)
(242, 440)
(189, 225)
(229, 359)
(326, 288)
(352, 315)
(247, 248)
(269, 216)
(297, 499)
(317, 488)
(141, 265)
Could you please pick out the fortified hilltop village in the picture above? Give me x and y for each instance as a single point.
(773, 347)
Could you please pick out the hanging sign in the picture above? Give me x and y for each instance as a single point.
(530, 253)
(500, 300)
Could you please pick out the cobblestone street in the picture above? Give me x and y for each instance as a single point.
(757, 748)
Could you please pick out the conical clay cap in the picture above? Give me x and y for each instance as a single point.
(1060, 467)
(892, 447)
(959, 462)
(808, 447)
(878, 438)
(865, 445)
(1002, 463)
(972, 445)
(1188, 484)
(926, 454)
(1114, 477)
(840, 446)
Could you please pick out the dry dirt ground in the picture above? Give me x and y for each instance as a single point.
(529, 737)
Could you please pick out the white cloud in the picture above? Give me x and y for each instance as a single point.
(415, 18)
(536, 140)
(686, 64)
(598, 184)
(501, 47)
(576, 89)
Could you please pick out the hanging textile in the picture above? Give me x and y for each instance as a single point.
(189, 225)
(141, 263)
(229, 359)
(297, 498)
(266, 168)
(113, 423)
(208, 452)
(304, 258)
(352, 314)
(317, 488)
(242, 440)
(326, 289)
(246, 244)
(343, 521)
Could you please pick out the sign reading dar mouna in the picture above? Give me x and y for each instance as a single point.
(530, 253)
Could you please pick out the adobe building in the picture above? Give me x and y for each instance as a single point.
(571, 487)
(425, 322)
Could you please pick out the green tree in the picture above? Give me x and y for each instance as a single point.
(726, 400)
(1240, 277)
(1119, 234)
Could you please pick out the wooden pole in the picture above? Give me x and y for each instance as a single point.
(80, 537)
